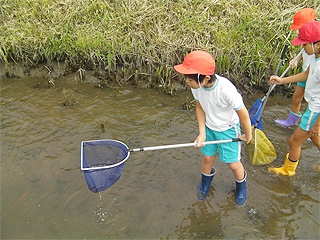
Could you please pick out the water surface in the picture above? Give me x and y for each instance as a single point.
(44, 194)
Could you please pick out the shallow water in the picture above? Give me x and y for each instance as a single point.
(44, 194)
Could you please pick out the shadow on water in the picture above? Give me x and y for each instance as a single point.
(44, 194)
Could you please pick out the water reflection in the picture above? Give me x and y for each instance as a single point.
(202, 222)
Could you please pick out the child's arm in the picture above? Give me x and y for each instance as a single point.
(245, 124)
(201, 117)
(300, 77)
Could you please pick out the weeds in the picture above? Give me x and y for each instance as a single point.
(188, 105)
(134, 37)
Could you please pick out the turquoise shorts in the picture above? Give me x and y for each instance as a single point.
(228, 152)
(308, 120)
(302, 84)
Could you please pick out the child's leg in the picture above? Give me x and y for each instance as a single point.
(207, 174)
(301, 134)
(292, 158)
(206, 164)
(237, 169)
(316, 141)
(296, 140)
(207, 170)
(296, 99)
(241, 187)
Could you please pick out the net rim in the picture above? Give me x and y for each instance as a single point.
(107, 166)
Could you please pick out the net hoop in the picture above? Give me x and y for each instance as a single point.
(261, 150)
(119, 144)
(254, 113)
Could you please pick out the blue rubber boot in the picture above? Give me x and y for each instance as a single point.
(292, 120)
(241, 191)
(204, 187)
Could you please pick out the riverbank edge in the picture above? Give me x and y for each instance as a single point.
(102, 78)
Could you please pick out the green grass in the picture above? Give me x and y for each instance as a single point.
(145, 39)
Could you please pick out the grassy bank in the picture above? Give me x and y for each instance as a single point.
(139, 39)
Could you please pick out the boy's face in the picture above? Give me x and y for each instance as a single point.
(308, 47)
(191, 83)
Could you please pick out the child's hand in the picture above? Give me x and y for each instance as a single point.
(199, 140)
(245, 138)
(293, 64)
(275, 80)
(315, 131)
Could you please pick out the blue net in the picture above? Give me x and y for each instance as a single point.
(254, 113)
(102, 154)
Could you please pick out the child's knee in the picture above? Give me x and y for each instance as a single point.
(235, 166)
(207, 159)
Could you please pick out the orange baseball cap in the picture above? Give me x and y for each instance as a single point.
(197, 62)
(308, 33)
(303, 16)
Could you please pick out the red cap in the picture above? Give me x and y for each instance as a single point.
(197, 62)
(308, 33)
(303, 16)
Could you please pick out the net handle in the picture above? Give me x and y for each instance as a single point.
(149, 149)
(182, 145)
(272, 86)
(287, 69)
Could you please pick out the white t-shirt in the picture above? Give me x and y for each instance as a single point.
(306, 58)
(312, 90)
(220, 103)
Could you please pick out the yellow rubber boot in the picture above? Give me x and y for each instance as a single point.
(288, 169)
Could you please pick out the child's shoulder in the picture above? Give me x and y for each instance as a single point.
(221, 78)
(224, 81)
(227, 87)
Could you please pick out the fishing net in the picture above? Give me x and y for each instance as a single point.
(261, 150)
(102, 162)
(254, 113)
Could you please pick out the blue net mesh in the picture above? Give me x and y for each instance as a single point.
(254, 113)
(103, 153)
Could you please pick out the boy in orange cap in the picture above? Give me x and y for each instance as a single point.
(309, 38)
(303, 16)
(219, 106)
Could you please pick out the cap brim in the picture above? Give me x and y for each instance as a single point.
(295, 27)
(181, 69)
(297, 41)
